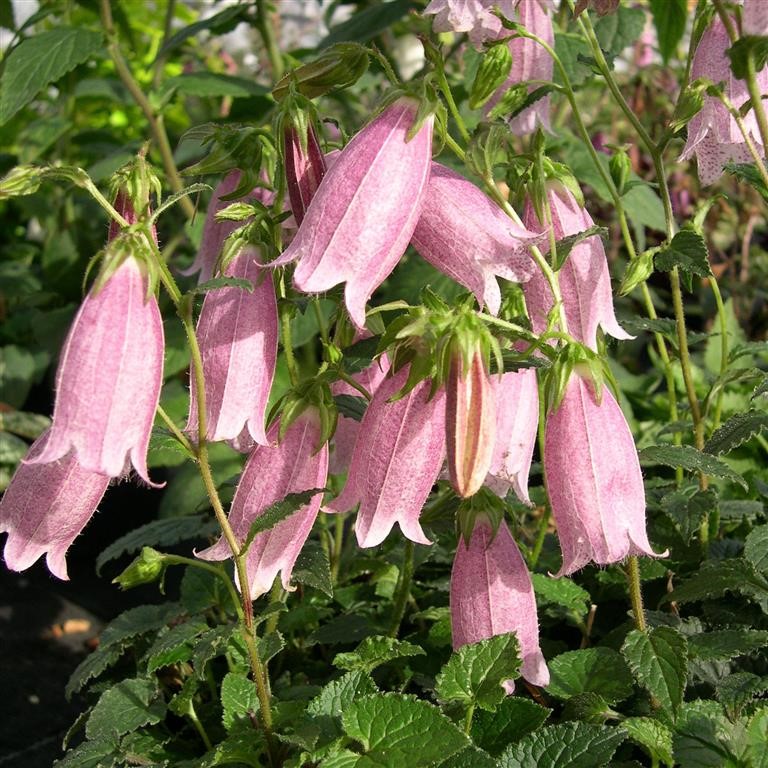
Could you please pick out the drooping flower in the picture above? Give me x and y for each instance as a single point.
(491, 594)
(45, 507)
(304, 169)
(754, 18)
(365, 210)
(593, 479)
(585, 283)
(468, 237)
(398, 453)
(292, 465)
(472, 16)
(237, 332)
(109, 378)
(713, 135)
(517, 422)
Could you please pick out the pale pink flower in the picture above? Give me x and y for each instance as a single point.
(399, 450)
(713, 135)
(237, 332)
(304, 170)
(585, 283)
(754, 18)
(472, 16)
(492, 594)
(45, 508)
(365, 210)
(593, 479)
(468, 237)
(293, 465)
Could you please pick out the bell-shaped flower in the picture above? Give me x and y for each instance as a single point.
(492, 594)
(593, 479)
(399, 450)
(237, 333)
(530, 64)
(470, 423)
(468, 237)
(517, 422)
(713, 135)
(304, 168)
(292, 465)
(45, 507)
(585, 283)
(754, 18)
(365, 210)
(109, 377)
(473, 16)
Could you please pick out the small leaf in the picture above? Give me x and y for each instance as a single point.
(277, 512)
(137, 621)
(739, 689)
(726, 644)
(654, 737)
(566, 745)
(590, 670)
(560, 597)
(313, 569)
(40, 60)
(174, 645)
(741, 50)
(514, 718)
(367, 23)
(715, 578)
(92, 666)
(211, 644)
(688, 251)
(565, 245)
(688, 512)
(238, 699)
(736, 431)
(270, 645)
(174, 198)
(687, 457)
(219, 23)
(749, 174)
(375, 651)
(223, 282)
(756, 548)
(669, 17)
(127, 706)
(474, 674)
(339, 694)
(23, 424)
(659, 661)
(351, 406)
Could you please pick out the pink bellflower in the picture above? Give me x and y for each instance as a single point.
(237, 331)
(468, 237)
(304, 169)
(492, 594)
(585, 283)
(292, 465)
(365, 210)
(593, 479)
(398, 453)
(713, 135)
(45, 508)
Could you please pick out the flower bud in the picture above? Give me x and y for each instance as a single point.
(304, 167)
(492, 72)
(147, 568)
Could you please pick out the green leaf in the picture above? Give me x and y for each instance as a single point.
(571, 50)
(392, 729)
(342, 629)
(739, 689)
(741, 50)
(127, 706)
(659, 661)
(688, 512)
(736, 431)
(211, 644)
(339, 694)
(375, 651)
(669, 17)
(174, 645)
(137, 621)
(219, 23)
(756, 548)
(313, 569)
(654, 737)
(238, 699)
(566, 745)
(687, 457)
(703, 736)
(29, 425)
(514, 718)
(590, 670)
(565, 245)
(351, 406)
(474, 674)
(223, 282)
(202, 84)
(749, 174)
(688, 251)
(471, 757)
(726, 644)
(757, 738)
(270, 645)
(243, 746)
(716, 578)
(12, 449)
(560, 598)
(277, 512)
(92, 666)
(90, 754)
(158, 533)
(6, 15)
(616, 31)
(41, 60)
(367, 23)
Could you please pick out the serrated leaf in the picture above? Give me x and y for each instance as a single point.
(688, 251)
(326, 708)
(392, 729)
(174, 645)
(757, 738)
(702, 737)
(567, 244)
(270, 645)
(211, 644)
(746, 46)
(687, 457)
(342, 629)
(749, 174)
(375, 651)
(654, 737)
(714, 579)
(182, 703)
(616, 31)
(158, 533)
(659, 661)
(350, 406)
(41, 60)
(90, 754)
(566, 745)
(739, 510)
(590, 670)
(560, 597)
(278, 512)
(756, 548)
(688, 512)
(737, 690)
(171, 200)
(726, 644)
(24, 424)
(223, 282)
(474, 674)
(137, 621)
(737, 430)
(471, 757)
(243, 746)
(514, 718)
(669, 17)
(125, 707)
(92, 666)
(313, 568)
(224, 21)
(238, 699)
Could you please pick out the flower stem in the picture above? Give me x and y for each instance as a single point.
(175, 431)
(454, 110)
(403, 589)
(285, 332)
(635, 592)
(264, 26)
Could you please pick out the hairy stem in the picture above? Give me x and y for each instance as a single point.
(403, 589)
(635, 592)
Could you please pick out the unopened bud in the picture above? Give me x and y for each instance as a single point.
(145, 569)
(491, 74)
(621, 169)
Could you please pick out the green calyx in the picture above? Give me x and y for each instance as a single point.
(315, 394)
(484, 506)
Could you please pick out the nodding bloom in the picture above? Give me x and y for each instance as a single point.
(472, 16)
(292, 465)
(585, 283)
(468, 237)
(398, 453)
(492, 594)
(304, 169)
(593, 479)
(109, 378)
(365, 210)
(713, 135)
(45, 508)
(517, 422)
(237, 333)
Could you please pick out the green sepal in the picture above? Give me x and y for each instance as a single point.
(147, 568)
(491, 74)
(484, 505)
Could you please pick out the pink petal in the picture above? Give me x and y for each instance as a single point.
(303, 170)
